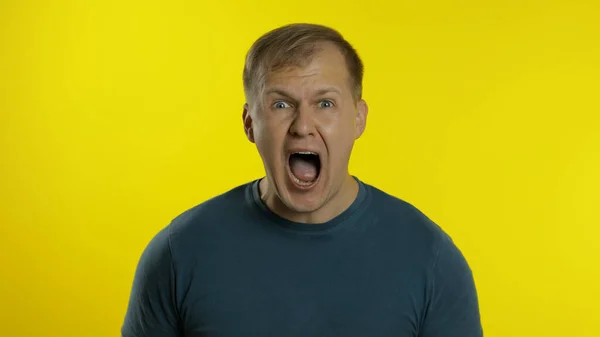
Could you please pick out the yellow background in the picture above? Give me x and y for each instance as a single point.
(118, 115)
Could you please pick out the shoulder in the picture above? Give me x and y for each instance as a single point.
(210, 211)
(407, 224)
(416, 235)
(403, 214)
(206, 219)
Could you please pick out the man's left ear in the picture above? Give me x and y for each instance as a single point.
(361, 118)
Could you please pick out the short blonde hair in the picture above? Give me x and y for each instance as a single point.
(294, 45)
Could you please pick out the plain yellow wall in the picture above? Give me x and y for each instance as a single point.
(118, 115)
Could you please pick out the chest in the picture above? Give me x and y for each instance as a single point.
(302, 293)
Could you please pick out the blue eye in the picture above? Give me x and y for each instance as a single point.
(281, 105)
(326, 104)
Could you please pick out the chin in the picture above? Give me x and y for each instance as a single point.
(304, 201)
(298, 198)
(303, 206)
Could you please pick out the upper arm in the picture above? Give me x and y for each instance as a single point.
(152, 306)
(452, 308)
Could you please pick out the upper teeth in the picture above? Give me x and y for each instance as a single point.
(306, 152)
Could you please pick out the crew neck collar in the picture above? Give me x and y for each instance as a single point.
(308, 228)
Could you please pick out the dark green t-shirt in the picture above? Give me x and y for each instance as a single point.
(230, 267)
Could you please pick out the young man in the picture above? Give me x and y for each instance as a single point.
(309, 250)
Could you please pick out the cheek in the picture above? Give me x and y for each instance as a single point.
(339, 129)
(269, 137)
(343, 136)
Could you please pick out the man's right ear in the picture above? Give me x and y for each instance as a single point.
(247, 119)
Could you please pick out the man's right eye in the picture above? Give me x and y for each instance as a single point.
(281, 105)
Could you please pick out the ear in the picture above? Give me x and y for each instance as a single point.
(247, 119)
(360, 122)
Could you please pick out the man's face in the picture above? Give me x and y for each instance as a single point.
(304, 123)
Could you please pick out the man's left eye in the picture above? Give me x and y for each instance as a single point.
(325, 104)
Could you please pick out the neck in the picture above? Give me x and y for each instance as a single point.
(335, 205)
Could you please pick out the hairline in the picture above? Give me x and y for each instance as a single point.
(263, 59)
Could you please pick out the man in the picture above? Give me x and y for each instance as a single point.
(309, 250)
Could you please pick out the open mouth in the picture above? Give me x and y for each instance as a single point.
(304, 167)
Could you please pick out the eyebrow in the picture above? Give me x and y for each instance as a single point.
(328, 90)
(319, 92)
(278, 91)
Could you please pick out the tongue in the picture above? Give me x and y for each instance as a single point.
(303, 169)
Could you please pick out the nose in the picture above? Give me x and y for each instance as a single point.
(303, 124)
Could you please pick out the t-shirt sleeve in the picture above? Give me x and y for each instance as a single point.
(453, 308)
(152, 306)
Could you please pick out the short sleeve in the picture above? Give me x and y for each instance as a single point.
(152, 310)
(452, 308)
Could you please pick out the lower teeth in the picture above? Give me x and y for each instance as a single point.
(303, 183)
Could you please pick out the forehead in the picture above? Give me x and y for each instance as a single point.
(327, 67)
